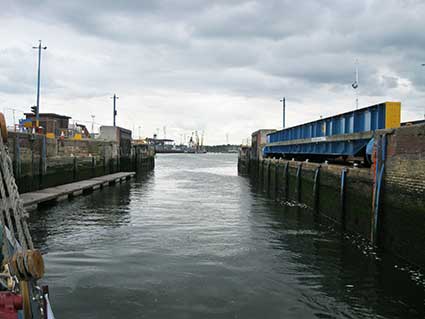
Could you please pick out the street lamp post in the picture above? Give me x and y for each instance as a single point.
(115, 98)
(423, 64)
(283, 100)
(37, 115)
(355, 84)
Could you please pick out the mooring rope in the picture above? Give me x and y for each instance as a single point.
(12, 209)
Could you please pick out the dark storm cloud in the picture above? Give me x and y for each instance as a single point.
(315, 41)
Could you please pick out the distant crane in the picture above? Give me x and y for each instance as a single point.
(196, 140)
(202, 139)
(191, 142)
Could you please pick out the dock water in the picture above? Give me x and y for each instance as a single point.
(195, 240)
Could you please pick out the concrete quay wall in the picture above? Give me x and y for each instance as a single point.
(348, 196)
(40, 162)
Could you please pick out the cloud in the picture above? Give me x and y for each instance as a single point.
(219, 66)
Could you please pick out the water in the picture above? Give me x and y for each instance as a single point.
(194, 240)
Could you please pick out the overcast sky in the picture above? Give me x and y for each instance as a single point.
(218, 66)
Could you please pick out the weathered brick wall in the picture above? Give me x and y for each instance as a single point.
(405, 164)
(402, 228)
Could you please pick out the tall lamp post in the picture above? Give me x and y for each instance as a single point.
(37, 114)
(423, 64)
(283, 100)
(355, 84)
(115, 98)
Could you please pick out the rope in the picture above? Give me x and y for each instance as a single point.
(12, 209)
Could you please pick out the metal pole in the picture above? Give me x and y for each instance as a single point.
(115, 109)
(37, 114)
(115, 98)
(423, 64)
(357, 81)
(283, 100)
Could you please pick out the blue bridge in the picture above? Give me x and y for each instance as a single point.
(346, 134)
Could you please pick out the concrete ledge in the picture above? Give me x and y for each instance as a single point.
(31, 200)
(61, 198)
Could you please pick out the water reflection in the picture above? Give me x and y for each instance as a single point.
(194, 240)
(341, 269)
(80, 220)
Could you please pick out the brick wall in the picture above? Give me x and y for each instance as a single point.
(402, 229)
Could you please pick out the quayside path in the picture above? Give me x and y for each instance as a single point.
(32, 199)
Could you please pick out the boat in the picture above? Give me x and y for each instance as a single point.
(22, 266)
(196, 144)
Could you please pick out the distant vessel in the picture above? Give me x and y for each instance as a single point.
(196, 144)
(163, 145)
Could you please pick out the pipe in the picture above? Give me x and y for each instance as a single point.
(378, 189)
(342, 197)
(298, 186)
(316, 189)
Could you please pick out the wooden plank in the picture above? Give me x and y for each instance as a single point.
(63, 191)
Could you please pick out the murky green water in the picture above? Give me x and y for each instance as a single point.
(194, 240)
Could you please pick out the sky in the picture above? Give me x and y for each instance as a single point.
(218, 67)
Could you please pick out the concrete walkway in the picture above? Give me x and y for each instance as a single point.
(31, 200)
